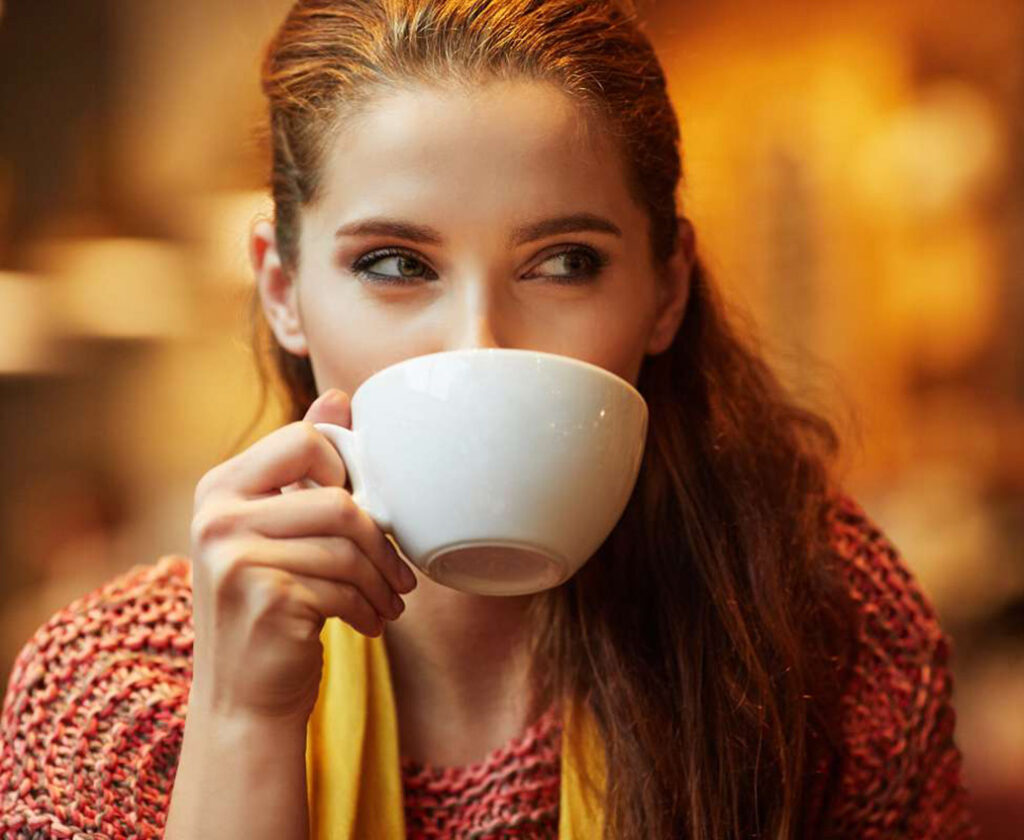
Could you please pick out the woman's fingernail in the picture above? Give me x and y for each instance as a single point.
(397, 605)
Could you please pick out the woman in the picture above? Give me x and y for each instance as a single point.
(759, 662)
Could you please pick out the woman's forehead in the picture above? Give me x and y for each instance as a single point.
(509, 144)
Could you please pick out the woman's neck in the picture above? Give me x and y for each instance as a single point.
(460, 672)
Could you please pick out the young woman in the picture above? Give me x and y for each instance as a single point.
(757, 658)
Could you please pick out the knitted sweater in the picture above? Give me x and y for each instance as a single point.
(94, 713)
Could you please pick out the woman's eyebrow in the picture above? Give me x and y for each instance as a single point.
(573, 223)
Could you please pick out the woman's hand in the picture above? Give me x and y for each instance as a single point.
(271, 562)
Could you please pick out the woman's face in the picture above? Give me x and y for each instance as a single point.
(449, 220)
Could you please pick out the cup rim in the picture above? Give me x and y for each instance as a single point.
(557, 357)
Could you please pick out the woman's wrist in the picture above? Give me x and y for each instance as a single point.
(232, 761)
(233, 722)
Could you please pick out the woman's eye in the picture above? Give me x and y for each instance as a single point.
(405, 268)
(583, 264)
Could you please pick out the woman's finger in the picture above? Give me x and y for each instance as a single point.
(332, 559)
(282, 457)
(327, 511)
(344, 601)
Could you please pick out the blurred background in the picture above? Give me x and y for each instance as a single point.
(855, 172)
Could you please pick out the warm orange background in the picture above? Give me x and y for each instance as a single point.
(855, 171)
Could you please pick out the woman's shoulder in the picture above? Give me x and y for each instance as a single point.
(143, 614)
(95, 706)
(893, 609)
(900, 767)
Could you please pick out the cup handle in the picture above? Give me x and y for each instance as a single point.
(344, 440)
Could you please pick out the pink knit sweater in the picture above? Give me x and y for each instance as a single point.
(92, 722)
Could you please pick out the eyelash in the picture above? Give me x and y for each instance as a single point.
(597, 263)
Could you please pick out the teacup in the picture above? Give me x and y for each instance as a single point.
(497, 471)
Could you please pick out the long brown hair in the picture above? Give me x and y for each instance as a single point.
(709, 634)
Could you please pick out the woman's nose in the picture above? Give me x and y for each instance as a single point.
(475, 322)
(476, 331)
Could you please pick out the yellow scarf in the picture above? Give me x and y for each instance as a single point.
(353, 765)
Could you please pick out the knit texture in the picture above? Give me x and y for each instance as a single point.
(94, 714)
(513, 792)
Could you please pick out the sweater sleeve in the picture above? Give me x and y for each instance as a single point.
(900, 773)
(94, 712)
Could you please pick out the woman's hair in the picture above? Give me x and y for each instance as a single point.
(709, 632)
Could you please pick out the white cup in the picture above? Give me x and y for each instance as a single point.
(497, 471)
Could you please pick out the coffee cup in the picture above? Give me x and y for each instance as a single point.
(497, 471)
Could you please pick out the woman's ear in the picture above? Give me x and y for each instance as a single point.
(277, 289)
(673, 290)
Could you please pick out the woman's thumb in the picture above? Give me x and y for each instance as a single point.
(332, 406)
